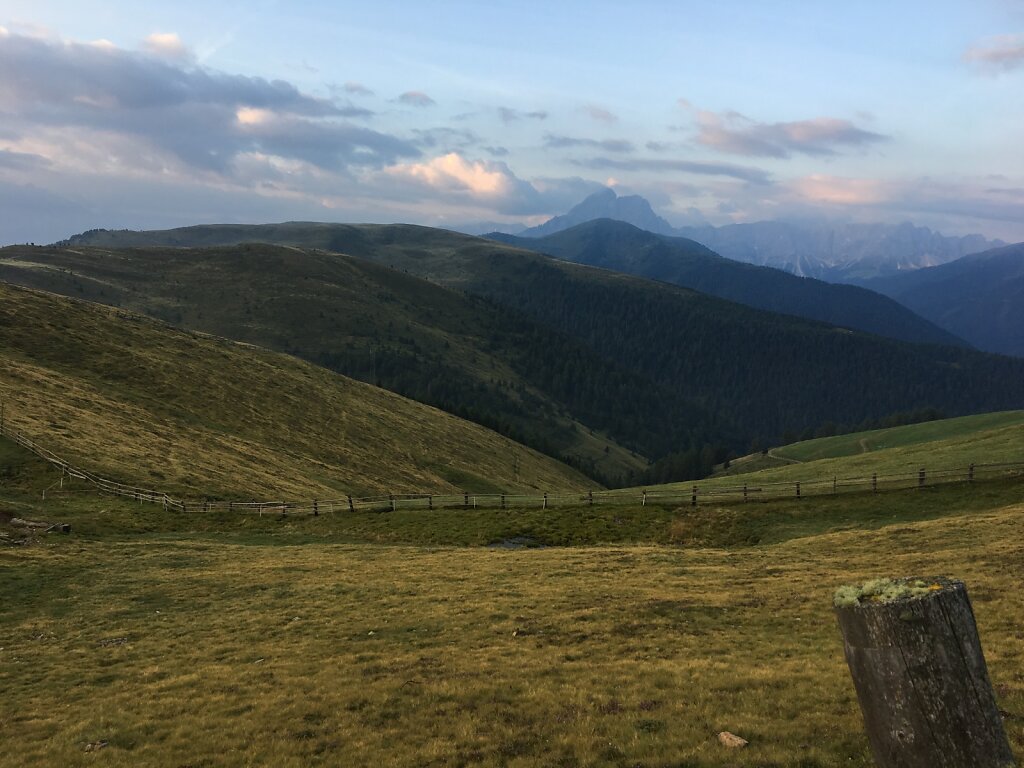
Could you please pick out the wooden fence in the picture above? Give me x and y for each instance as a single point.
(692, 494)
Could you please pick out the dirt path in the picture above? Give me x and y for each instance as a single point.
(774, 455)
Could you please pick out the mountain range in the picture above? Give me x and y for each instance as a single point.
(623, 247)
(609, 370)
(979, 297)
(832, 251)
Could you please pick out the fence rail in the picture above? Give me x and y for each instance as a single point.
(679, 493)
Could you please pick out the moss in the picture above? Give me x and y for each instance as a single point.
(885, 591)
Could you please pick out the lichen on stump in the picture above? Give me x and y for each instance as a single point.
(916, 661)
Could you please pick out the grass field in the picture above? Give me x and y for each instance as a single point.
(378, 639)
(948, 431)
(991, 438)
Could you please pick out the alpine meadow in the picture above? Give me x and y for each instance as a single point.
(511, 385)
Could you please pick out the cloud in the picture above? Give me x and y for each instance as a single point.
(998, 54)
(657, 165)
(156, 107)
(453, 179)
(496, 151)
(416, 99)
(554, 141)
(167, 45)
(22, 161)
(600, 114)
(733, 133)
(446, 138)
(509, 115)
(356, 89)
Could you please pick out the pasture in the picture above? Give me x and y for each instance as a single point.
(402, 639)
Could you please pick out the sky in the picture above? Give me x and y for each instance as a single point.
(150, 114)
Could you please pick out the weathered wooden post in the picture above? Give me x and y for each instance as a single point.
(316, 508)
(920, 478)
(430, 502)
(503, 501)
(590, 498)
(351, 506)
(545, 501)
(916, 661)
(874, 482)
(798, 490)
(465, 500)
(693, 497)
(643, 499)
(394, 504)
(970, 473)
(744, 493)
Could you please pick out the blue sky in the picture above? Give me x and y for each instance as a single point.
(149, 114)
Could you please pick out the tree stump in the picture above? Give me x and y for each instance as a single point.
(916, 661)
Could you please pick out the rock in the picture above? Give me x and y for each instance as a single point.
(731, 740)
(93, 746)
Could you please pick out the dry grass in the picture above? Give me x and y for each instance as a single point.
(146, 404)
(221, 649)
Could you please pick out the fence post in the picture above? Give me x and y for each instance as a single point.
(643, 499)
(798, 490)
(744, 493)
(920, 478)
(590, 498)
(351, 506)
(834, 481)
(465, 500)
(874, 482)
(394, 504)
(430, 502)
(916, 661)
(316, 509)
(693, 497)
(970, 473)
(503, 501)
(545, 502)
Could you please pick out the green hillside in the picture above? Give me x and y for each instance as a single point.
(456, 352)
(714, 373)
(138, 401)
(622, 247)
(948, 432)
(990, 438)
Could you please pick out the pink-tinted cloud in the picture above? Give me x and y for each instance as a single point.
(167, 45)
(998, 54)
(600, 114)
(733, 133)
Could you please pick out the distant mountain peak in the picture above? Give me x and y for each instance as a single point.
(605, 204)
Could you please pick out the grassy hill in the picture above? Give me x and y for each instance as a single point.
(685, 371)
(144, 403)
(946, 432)
(622, 247)
(457, 352)
(370, 639)
(991, 438)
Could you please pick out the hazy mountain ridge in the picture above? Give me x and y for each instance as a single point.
(605, 204)
(979, 297)
(830, 251)
(837, 252)
(623, 247)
